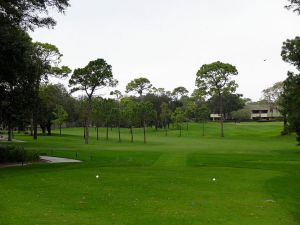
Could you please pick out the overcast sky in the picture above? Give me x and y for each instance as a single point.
(167, 41)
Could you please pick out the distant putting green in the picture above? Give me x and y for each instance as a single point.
(169, 180)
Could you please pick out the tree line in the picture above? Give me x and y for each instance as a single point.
(154, 107)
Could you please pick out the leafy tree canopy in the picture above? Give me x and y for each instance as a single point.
(29, 14)
(118, 94)
(290, 52)
(145, 110)
(15, 53)
(48, 58)
(291, 101)
(17, 73)
(165, 112)
(242, 114)
(273, 94)
(52, 96)
(158, 91)
(215, 78)
(60, 115)
(293, 5)
(202, 112)
(97, 74)
(138, 85)
(232, 102)
(130, 111)
(198, 95)
(178, 115)
(179, 92)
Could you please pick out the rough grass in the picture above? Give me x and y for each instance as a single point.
(166, 181)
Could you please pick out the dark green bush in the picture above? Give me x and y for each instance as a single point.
(14, 153)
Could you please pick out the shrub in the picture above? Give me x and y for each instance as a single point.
(241, 115)
(14, 153)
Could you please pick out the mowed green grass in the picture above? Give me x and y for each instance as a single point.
(169, 180)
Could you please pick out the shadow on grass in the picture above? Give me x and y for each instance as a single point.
(52, 135)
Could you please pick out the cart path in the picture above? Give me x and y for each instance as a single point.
(44, 159)
(51, 159)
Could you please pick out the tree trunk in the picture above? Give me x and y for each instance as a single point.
(9, 133)
(285, 130)
(31, 127)
(48, 126)
(35, 127)
(180, 130)
(131, 133)
(35, 108)
(298, 134)
(97, 129)
(222, 116)
(144, 131)
(156, 122)
(59, 129)
(119, 131)
(284, 121)
(272, 114)
(87, 120)
(86, 135)
(43, 127)
(107, 131)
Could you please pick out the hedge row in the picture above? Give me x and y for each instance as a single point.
(14, 153)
